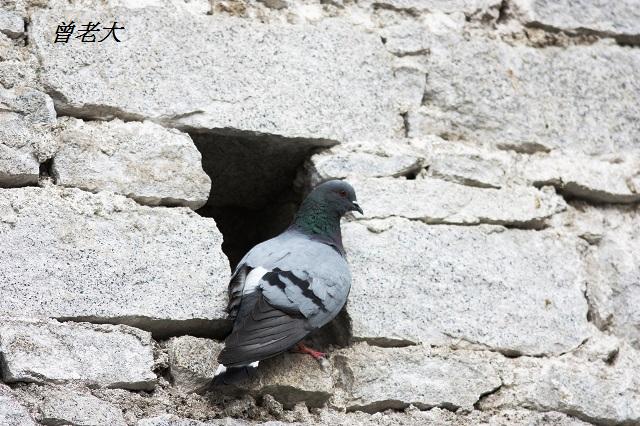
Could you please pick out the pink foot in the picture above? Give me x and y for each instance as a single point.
(303, 349)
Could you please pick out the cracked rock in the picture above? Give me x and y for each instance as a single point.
(614, 266)
(527, 98)
(595, 392)
(47, 351)
(446, 6)
(620, 18)
(362, 160)
(26, 120)
(193, 362)
(17, 65)
(437, 201)
(289, 378)
(11, 23)
(60, 405)
(465, 162)
(443, 417)
(379, 379)
(586, 177)
(293, 378)
(70, 254)
(12, 413)
(171, 420)
(144, 161)
(344, 90)
(513, 291)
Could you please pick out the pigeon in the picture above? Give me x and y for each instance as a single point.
(288, 286)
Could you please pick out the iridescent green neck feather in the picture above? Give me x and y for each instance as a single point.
(316, 218)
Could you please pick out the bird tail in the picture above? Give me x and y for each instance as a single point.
(234, 375)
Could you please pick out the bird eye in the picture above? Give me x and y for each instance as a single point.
(342, 193)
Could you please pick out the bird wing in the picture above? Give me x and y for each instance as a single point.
(300, 286)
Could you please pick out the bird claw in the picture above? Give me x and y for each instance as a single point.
(303, 349)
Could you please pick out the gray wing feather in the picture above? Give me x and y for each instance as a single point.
(316, 281)
(306, 285)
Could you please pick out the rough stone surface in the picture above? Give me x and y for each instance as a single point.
(11, 412)
(587, 178)
(394, 378)
(416, 6)
(11, 23)
(494, 146)
(17, 64)
(436, 201)
(289, 378)
(410, 417)
(619, 18)
(443, 417)
(193, 362)
(598, 392)
(26, 117)
(466, 163)
(511, 290)
(344, 91)
(44, 351)
(527, 98)
(67, 253)
(170, 420)
(614, 267)
(61, 405)
(144, 161)
(293, 378)
(394, 158)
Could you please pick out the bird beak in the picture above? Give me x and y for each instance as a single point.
(357, 207)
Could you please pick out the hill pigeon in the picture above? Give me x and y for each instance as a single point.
(290, 285)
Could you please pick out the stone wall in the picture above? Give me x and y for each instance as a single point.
(495, 149)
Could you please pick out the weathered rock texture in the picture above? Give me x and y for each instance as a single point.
(620, 19)
(59, 404)
(99, 355)
(12, 413)
(26, 119)
(600, 391)
(344, 90)
(509, 290)
(143, 161)
(381, 378)
(494, 146)
(192, 362)
(531, 99)
(439, 202)
(70, 254)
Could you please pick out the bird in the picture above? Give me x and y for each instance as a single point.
(286, 287)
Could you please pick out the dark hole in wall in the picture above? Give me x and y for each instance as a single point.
(254, 196)
(253, 192)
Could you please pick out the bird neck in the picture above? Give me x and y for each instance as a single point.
(315, 218)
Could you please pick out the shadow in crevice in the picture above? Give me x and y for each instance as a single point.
(253, 196)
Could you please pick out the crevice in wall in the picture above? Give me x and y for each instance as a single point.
(537, 224)
(503, 12)
(17, 181)
(89, 112)
(408, 11)
(580, 34)
(253, 195)
(573, 191)
(405, 123)
(162, 329)
(46, 170)
(483, 396)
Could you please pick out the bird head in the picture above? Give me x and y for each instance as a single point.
(336, 195)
